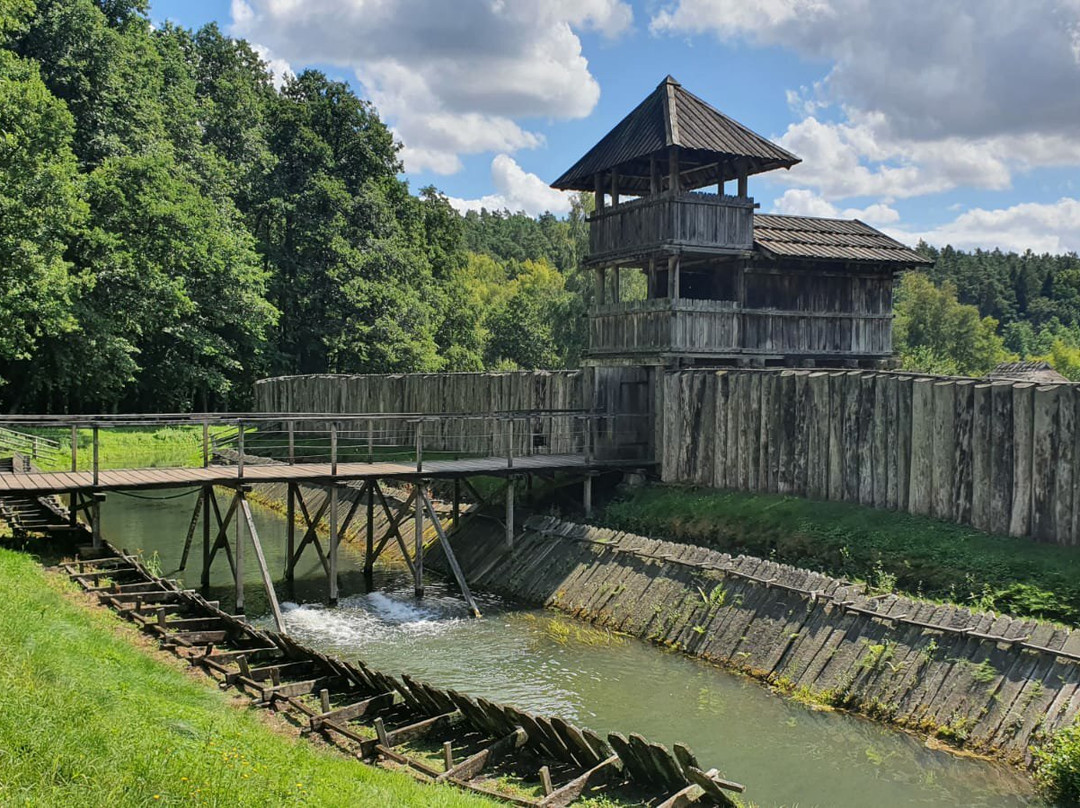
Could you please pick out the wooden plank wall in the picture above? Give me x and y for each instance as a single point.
(999, 456)
(474, 393)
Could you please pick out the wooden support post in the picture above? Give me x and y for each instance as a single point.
(238, 558)
(292, 442)
(420, 445)
(418, 526)
(260, 558)
(614, 188)
(290, 533)
(673, 169)
(99, 497)
(333, 551)
(369, 549)
(240, 449)
(205, 445)
(333, 449)
(191, 531)
(371, 440)
(448, 755)
(208, 493)
(509, 442)
(615, 288)
(73, 517)
(672, 283)
(587, 495)
(601, 284)
(598, 192)
(545, 781)
(456, 511)
(96, 443)
(654, 176)
(742, 183)
(510, 513)
(448, 551)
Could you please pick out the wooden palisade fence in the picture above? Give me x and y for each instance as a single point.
(1000, 456)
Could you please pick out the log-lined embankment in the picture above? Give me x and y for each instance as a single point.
(991, 683)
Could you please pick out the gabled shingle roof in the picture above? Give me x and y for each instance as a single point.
(672, 116)
(1029, 371)
(829, 239)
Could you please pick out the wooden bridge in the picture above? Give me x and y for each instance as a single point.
(327, 451)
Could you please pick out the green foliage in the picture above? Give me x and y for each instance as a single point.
(89, 719)
(935, 333)
(908, 554)
(40, 209)
(1057, 767)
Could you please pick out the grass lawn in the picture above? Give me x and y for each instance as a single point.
(889, 550)
(89, 718)
(129, 447)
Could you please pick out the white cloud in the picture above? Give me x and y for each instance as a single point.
(280, 70)
(1050, 227)
(453, 77)
(804, 202)
(921, 96)
(968, 68)
(862, 157)
(516, 190)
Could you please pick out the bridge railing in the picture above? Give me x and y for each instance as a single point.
(338, 438)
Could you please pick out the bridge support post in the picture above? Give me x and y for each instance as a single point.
(290, 533)
(586, 495)
(333, 550)
(418, 528)
(99, 497)
(369, 549)
(260, 558)
(190, 536)
(510, 513)
(207, 493)
(238, 555)
(451, 559)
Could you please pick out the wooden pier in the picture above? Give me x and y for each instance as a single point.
(319, 451)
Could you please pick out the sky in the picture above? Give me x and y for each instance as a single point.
(953, 121)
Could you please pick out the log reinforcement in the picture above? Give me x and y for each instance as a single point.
(991, 683)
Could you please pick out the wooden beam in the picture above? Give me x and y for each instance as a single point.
(261, 561)
(451, 559)
(418, 538)
(191, 530)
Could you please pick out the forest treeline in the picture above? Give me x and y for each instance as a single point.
(173, 226)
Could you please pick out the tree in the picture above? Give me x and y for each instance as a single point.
(40, 210)
(524, 328)
(934, 332)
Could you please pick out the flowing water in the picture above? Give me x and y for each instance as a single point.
(785, 753)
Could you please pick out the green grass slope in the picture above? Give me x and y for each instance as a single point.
(88, 718)
(891, 551)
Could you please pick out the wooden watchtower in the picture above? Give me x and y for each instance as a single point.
(724, 284)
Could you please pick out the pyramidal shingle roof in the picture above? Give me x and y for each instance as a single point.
(673, 116)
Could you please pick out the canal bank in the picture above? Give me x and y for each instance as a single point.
(786, 753)
(983, 682)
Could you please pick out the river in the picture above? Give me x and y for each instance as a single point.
(786, 754)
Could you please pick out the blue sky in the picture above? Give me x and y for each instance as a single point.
(955, 122)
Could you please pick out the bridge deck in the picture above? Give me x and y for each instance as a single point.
(128, 479)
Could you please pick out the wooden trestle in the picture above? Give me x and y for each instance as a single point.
(437, 735)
